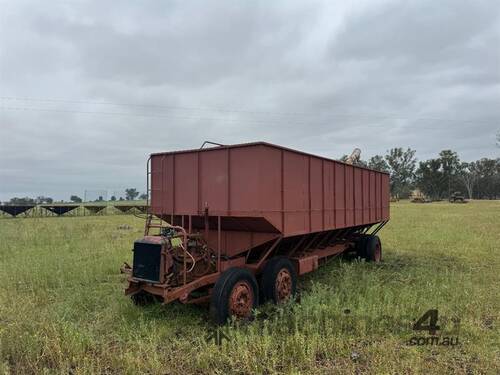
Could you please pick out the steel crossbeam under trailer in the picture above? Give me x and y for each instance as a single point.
(234, 225)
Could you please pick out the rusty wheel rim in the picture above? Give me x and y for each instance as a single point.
(378, 252)
(283, 285)
(241, 300)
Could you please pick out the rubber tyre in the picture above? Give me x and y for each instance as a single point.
(373, 249)
(268, 281)
(361, 246)
(221, 294)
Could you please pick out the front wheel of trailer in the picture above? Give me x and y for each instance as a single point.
(235, 294)
(371, 249)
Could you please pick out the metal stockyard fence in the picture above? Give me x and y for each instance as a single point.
(83, 209)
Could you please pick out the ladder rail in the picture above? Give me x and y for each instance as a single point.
(152, 221)
(149, 215)
(148, 185)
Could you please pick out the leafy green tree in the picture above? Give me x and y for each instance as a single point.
(402, 165)
(378, 162)
(430, 178)
(131, 194)
(75, 199)
(488, 178)
(467, 175)
(450, 165)
(21, 201)
(440, 177)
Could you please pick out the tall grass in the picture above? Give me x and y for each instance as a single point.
(62, 307)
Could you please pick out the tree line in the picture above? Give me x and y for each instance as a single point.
(438, 177)
(130, 195)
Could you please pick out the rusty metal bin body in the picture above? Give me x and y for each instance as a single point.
(257, 191)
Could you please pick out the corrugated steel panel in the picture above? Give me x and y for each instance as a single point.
(365, 181)
(339, 194)
(295, 192)
(358, 197)
(328, 191)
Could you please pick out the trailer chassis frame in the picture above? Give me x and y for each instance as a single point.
(305, 258)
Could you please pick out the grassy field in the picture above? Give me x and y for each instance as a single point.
(62, 307)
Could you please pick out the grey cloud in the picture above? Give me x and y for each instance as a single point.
(319, 76)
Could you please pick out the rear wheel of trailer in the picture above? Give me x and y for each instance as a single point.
(278, 282)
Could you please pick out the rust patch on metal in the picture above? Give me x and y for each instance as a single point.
(306, 264)
(241, 300)
(283, 285)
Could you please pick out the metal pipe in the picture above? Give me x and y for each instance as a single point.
(218, 244)
(206, 223)
(263, 258)
(211, 143)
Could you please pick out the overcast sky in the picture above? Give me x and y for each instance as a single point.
(89, 88)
